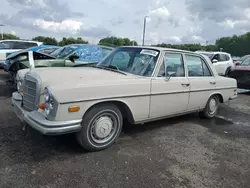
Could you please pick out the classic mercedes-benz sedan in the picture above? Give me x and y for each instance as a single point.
(139, 84)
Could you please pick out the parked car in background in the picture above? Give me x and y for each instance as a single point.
(140, 84)
(47, 49)
(7, 46)
(222, 61)
(241, 73)
(74, 55)
(239, 61)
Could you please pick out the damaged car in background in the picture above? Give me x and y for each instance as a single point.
(47, 49)
(74, 55)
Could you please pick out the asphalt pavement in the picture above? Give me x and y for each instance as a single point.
(179, 152)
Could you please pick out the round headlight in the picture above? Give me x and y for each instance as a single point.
(49, 101)
(46, 95)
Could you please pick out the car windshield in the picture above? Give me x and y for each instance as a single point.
(63, 52)
(244, 58)
(210, 55)
(138, 61)
(246, 62)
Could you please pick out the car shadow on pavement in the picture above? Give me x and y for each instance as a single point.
(130, 129)
(31, 146)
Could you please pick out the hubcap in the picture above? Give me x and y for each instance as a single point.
(212, 106)
(103, 128)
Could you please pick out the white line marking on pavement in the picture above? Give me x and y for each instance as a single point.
(1, 81)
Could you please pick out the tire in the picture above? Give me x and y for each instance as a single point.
(101, 118)
(227, 71)
(211, 108)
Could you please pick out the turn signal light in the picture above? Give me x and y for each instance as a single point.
(42, 106)
(74, 108)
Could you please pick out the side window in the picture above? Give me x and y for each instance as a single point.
(8, 44)
(18, 45)
(216, 56)
(197, 67)
(172, 65)
(222, 57)
(206, 71)
(29, 44)
(227, 58)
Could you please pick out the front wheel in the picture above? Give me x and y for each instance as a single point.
(101, 126)
(211, 107)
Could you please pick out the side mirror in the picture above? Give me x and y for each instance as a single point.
(73, 57)
(214, 61)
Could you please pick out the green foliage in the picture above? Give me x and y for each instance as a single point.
(9, 36)
(188, 47)
(46, 40)
(115, 42)
(71, 40)
(235, 45)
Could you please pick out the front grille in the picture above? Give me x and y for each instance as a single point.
(30, 93)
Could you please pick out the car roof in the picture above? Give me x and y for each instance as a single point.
(88, 45)
(19, 40)
(213, 52)
(159, 48)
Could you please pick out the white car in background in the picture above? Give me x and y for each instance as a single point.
(222, 61)
(7, 46)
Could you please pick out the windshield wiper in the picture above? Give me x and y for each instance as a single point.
(110, 68)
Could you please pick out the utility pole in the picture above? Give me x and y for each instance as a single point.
(2, 25)
(144, 28)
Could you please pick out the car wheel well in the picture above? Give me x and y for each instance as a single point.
(125, 110)
(220, 97)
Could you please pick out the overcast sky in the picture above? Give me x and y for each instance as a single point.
(169, 21)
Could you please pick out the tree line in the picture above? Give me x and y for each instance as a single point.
(235, 45)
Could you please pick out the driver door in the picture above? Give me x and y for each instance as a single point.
(170, 95)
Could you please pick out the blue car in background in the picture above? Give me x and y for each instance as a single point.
(46, 49)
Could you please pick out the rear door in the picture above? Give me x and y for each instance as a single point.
(202, 81)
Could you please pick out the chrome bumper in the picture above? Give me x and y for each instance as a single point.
(37, 120)
(233, 97)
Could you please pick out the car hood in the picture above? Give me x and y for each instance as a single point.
(68, 76)
(84, 83)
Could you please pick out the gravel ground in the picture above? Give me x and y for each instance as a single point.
(179, 152)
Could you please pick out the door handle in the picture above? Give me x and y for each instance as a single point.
(212, 83)
(185, 85)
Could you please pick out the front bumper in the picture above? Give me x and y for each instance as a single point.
(37, 120)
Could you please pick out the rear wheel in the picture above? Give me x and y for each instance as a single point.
(101, 126)
(211, 107)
